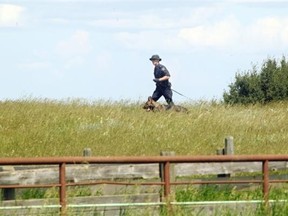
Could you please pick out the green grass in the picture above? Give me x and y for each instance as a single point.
(218, 193)
(35, 127)
(41, 193)
(230, 193)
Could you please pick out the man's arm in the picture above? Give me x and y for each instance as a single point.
(164, 78)
(161, 79)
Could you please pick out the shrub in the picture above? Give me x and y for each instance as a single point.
(268, 84)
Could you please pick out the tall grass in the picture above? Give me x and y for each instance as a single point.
(37, 127)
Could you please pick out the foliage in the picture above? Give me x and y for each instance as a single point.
(34, 193)
(216, 193)
(229, 193)
(35, 128)
(268, 84)
(42, 193)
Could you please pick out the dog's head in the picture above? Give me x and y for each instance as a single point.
(149, 105)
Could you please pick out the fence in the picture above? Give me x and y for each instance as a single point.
(166, 161)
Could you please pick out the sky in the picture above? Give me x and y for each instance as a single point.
(100, 49)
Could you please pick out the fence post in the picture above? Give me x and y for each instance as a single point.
(162, 172)
(265, 171)
(87, 152)
(8, 193)
(220, 151)
(62, 189)
(227, 150)
(229, 146)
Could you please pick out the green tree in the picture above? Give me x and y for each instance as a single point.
(268, 84)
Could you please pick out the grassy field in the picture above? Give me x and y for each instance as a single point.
(39, 127)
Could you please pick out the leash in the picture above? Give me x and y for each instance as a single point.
(181, 94)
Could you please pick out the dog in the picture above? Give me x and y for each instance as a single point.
(154, 106)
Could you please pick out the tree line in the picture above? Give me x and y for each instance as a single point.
(268, 84)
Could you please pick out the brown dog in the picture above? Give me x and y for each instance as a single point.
(154, 106)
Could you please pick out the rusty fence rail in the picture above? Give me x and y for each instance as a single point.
(166, 161)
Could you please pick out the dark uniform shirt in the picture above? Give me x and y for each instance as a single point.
(159, 72)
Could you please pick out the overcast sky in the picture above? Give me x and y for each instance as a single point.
(100, 49)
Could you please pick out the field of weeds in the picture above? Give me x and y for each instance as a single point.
(39, 127)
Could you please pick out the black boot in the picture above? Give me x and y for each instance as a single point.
(170, 105)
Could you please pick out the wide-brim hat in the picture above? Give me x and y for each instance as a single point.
(155, 57)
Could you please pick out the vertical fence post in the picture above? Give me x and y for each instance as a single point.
(62, 181)
(229, 146)
(265, 171)
(8, 193)
(167, 187)
(87, 152)
(220, 151)
(166, 179)
(167, 174)
(227, 150)
(162, 173)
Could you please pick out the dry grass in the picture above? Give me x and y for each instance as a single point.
(35, 127)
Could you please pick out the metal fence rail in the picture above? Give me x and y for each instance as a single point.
(166, 161)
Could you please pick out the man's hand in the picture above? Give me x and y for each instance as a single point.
(156, 80)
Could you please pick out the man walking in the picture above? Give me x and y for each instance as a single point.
(161, 78)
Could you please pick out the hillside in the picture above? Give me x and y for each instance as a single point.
(33, 128)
